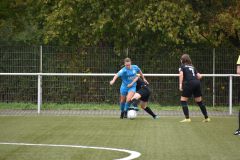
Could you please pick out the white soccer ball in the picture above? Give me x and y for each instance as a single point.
(132, 114)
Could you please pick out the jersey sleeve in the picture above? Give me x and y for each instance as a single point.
(238, 61)
(120, 73)
(180, 68)
(137, 69)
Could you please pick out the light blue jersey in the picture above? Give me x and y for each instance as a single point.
(127, 76)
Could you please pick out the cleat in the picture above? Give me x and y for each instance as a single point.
(187, 120)
(206, 120)
(156, 117)
(237, 133)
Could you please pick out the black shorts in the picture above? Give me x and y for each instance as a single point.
(192, 88)
(145, 93)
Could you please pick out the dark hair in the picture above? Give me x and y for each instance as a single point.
(185, 58)
(127, 60)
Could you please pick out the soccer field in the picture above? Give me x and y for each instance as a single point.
(162, 139)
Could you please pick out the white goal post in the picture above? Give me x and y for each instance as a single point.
(40, 75)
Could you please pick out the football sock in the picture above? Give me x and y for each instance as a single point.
(149, 111)
(134, 102)
(185, 109)
(203, 109)
(125, 114)
(127, 105)
(122, 105)
(239, 120)
(122, 115)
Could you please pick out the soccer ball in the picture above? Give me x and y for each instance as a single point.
(132, 114)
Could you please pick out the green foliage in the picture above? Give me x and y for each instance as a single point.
(219, 21)
(120, 23)
(171, 22)
(227, 25)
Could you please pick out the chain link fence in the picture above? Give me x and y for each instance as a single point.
(62, 59)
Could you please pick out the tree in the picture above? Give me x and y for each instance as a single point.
(219, 21)
(122, 23)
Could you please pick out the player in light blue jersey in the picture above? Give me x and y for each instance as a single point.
(127, 74)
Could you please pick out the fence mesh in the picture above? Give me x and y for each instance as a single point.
(75, 89)
(18, 89)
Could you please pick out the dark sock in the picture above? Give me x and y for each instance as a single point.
(149, 111)
(203, 109)
(185, 109)
(125, 114)
(239, 120)
(134, 102)
(122, 115)
(122, 106)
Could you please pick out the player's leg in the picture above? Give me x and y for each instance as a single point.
(130, 94)
(135, 98)
(145, 94)
(186, 93)
(128, 99)
(184, 105)
(144, 106)
(122, 105)
(123, 93)
(238, 130)
(134, 101)
(239, 120)
(198, 99)
(203, 109)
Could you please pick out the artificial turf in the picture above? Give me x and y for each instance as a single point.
(162, 139)
(101, 106)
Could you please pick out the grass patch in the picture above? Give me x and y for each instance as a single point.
(92, 106)
(164, 138)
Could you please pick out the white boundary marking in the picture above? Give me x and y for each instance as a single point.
(133, 154)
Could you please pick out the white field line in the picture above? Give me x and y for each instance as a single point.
(133, 154)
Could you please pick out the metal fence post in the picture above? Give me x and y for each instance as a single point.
(39, 94)
(40, 83)
(40, 65)
(230, 94)
(213, 83)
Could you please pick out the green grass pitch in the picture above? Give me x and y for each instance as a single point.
(162, 139)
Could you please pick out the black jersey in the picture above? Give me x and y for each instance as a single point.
(140, 84)
(189, 72)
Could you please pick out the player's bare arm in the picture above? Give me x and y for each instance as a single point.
(114, 79)
(134, 81)
(144, 79)
(238, 70)
(180, 80)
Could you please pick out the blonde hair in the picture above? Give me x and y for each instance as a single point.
(127, 60)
